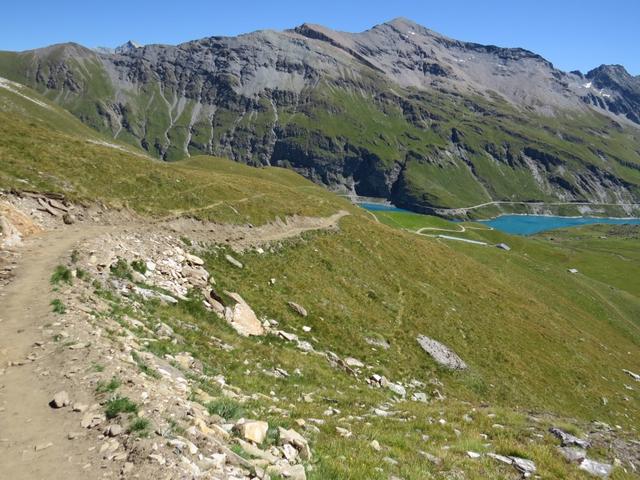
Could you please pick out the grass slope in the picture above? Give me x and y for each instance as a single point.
(47, 149)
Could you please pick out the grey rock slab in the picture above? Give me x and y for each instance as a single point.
(569, 440)
(597, 469)
(572, 454)
(441, 353)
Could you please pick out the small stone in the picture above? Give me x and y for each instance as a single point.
(375, 445)
(569, 440)
(233, 261)
(397, 389)
(194, 260)
(573, 454)
(138, 277)
(353, 362)
(473, 455)
(290, 453)
(60, 400)
(290, 472)
(114, 430)
(158, 458)
(43, 446)
(90, 420)
(72, 435)
(500, 458)
(431, 458)
(300, 310)
(80, 407)
(127, 468)
(527, 467)
(291, 437)
(419, 397)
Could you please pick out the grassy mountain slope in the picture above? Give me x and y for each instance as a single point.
(45, 148)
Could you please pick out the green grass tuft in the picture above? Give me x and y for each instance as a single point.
(61, 274)
(226, 408)
(117, 405)
(58, 306)
(110, 386)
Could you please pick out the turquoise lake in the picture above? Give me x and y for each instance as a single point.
(523, 224)
(531, 224)
(380, 207)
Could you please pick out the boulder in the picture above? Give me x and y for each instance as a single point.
(253, 430)
(242, 318)
(441, 354)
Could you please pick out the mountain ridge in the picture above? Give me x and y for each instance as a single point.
(397, 111)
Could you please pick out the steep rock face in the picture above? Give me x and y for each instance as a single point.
(398, 111)
(615, 90)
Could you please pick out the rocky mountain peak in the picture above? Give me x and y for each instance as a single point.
(617, 70)
(128, 47)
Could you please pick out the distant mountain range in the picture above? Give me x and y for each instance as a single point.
(398, 111)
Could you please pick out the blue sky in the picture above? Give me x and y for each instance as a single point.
(572, 34)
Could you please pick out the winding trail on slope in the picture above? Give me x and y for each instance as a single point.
(462, 229)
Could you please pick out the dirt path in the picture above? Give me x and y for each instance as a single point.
(26, 420)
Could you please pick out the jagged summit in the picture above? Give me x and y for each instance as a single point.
(127, 47)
